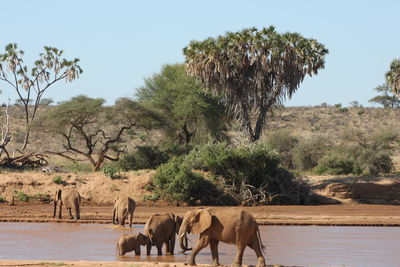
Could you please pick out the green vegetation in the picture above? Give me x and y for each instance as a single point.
(193, 116)
(111, 171)
(253, 70)
(2, 200)
(21, 196)
(58, 180)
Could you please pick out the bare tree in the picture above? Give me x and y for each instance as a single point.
(31, 85)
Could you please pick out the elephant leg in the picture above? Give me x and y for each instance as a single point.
(167, 247)
(148, 249)
(59, 211)
(201, 243)
(70, 213)
(77, 213)
(113, 216)
(214, 252)
(239, 256)
(130, 219)
(159, 249)
(255, 245)
(172, 244)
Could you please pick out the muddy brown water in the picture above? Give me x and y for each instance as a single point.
(286, 245)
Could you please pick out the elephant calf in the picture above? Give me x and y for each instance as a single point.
(127, 243)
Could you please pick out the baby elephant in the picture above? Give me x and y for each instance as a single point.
(127, 243)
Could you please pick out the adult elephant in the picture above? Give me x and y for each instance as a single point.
(123, 207)
(161, 229)
(70, 198)
(232, 226)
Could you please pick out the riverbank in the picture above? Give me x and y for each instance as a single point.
(325, 215)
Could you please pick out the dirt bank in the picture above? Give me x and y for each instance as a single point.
(346, 214)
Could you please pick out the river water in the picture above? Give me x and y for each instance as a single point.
(286, 245)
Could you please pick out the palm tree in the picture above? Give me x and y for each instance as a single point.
(253, 71)
(393, 76)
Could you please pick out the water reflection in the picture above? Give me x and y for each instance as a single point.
(286, 245)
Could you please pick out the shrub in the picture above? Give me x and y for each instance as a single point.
(58, 180)
(335, 164)
(2, 200)
(251, 164)
(110, 171)
(307, 152)
(283, 142)
(175, 181)
(21, 196)
(149, 157)
(373, 162)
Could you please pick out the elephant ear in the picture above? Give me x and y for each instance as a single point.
(202, 221)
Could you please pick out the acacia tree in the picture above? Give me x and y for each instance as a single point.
(393, 76)
(93, 131)
(30, 85)
(254, 70)
(387, 98)
(192, 114)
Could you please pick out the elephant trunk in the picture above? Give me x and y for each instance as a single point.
(183, 242)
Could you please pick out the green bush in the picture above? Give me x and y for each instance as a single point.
(335, 164)
(283, 142)
(2, 200)
(175, 181)
(58, 180)
(307, 152)
(251, 164)
(21, 196)
(110, 171)
(149, 157)
(373, 162)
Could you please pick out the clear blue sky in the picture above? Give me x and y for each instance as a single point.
(122, 42)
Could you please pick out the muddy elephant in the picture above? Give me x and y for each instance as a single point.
(127, 243)
(70, 198)
(162, 229)
(123, 207)
(232, 226)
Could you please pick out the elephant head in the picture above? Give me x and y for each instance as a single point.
(195, 222)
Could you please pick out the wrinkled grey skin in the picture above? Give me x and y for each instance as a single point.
(162, 229)
(123, 207)
(127, 243)
(70, 198)
(230, 225)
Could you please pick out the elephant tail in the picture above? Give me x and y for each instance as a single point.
(260, 240)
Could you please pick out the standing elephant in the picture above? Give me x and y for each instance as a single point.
(123, 206)
(127, 243)
(161, 229)
(70, 198)
(232, 226)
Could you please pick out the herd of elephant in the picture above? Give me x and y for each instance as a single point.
(231, 225)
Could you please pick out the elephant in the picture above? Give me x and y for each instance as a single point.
(231, 225)
(161, 229)
(123, 206)
(127, 243)
(70, 198)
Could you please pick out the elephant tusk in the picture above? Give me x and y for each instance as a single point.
(182, 235)
(51, 203)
